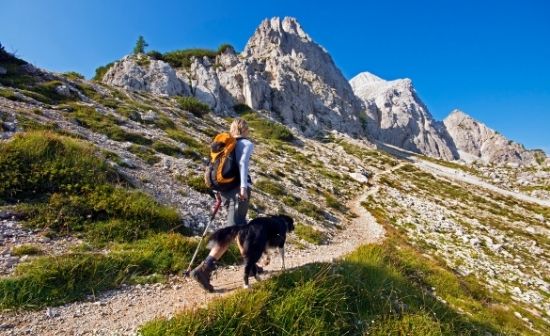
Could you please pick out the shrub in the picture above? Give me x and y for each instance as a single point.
(310, 234)
(155, 55)
(193, 105)
(101, 71)
(270, 187)
(106, 213)
(106, 124)
(196, 182)
(264, 128)
(43, 162)
(73, 75)
(75, 191)
(144, 153)
(185, 138)
(26, 249)
(182, 58)
(8, 94)
(167, 149)
(335, 203)
(47, 93)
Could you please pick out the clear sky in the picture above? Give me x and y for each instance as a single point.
(489, 58)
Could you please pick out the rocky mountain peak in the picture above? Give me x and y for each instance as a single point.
(276, 35)
(398, 116)
(477, 142)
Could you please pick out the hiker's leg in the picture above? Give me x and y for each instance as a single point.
(218, 250)
(242, 209)
(231, 202)
(203, 272)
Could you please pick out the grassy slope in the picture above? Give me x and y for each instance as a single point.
(377, 290)
(65, 187)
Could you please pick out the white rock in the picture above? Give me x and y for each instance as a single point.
(476, 141)
(156, 77)
(397, 116)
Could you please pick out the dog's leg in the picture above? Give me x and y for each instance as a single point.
(249, 265)
(267, 258)
(282, 251)
(241, 248)
(257, 273)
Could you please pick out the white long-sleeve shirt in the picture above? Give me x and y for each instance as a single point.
(243, 151)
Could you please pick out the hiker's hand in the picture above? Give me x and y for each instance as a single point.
(243, 195)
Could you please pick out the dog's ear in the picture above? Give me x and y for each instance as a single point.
(289, 222)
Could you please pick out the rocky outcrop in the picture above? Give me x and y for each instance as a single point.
(281, 71)
(141, 73)
(304, 86)
(397, 116)
(477, 142)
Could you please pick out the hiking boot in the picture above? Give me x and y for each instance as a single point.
(202, 274)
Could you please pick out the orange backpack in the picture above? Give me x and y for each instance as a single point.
(222, 173)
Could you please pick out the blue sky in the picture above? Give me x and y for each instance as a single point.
(489, 58)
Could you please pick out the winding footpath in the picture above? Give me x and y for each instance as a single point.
(122, 311)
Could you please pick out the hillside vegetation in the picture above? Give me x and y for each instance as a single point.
(115, 178)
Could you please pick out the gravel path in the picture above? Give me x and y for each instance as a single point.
(457, 175)
(122, 311)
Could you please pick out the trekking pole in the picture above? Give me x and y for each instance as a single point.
(214, 211)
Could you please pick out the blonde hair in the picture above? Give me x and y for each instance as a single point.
(238, 127)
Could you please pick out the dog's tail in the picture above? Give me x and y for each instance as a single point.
(224, 236)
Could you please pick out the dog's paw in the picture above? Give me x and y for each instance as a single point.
(246, 286)
(258, 278)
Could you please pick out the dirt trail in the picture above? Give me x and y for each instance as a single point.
(122, 311)
(457, 175)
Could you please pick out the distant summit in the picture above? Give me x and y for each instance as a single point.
(477, 142)
(399, 117)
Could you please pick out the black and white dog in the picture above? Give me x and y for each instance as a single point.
(255, 238)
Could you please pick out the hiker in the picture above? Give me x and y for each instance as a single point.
(236, 200)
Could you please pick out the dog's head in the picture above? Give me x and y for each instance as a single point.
(289, 222)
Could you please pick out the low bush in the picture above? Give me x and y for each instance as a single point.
(183, 58)
(106, 124)
(263, 127)
(168, 149)
(26, 249)
(193, 105)
(35, 163)
(310, 234)
(101, 71)
(73, 75)
(106, 213)
(196, 182)
(270, 187)
(144, 153)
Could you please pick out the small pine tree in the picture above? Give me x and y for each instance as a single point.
(140, 46)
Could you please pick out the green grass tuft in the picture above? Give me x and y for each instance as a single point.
(193, 105)
(26, 249)
(310, 234)
(42, 162)
(262, 127)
